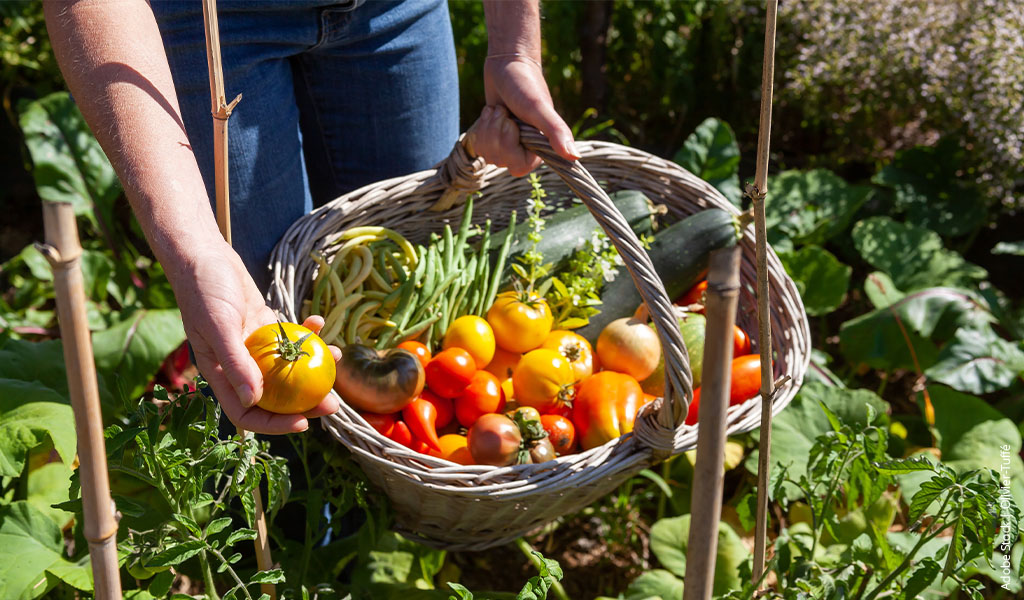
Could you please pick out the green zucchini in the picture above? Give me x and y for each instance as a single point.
(680, 256)
(567, 230)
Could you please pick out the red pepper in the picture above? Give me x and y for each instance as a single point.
(421, 417)
(404, 436)
(445, 408)
(384, 424)
(605, 407)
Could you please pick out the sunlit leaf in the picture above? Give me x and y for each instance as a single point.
(711, 153)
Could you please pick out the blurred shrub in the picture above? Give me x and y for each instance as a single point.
(885, 75)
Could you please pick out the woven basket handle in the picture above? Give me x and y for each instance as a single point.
(678, 380)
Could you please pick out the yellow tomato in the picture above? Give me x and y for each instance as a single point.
(298, 369)
(454, 448)
(575, 348)
(503, 363)
(509, 389)
(474, 335)
(543, 379)
(520, 321)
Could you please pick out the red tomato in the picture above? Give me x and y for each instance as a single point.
(450, 372)
(694, 296)
(418, 350)
(384, 424)
(740, 342)
(691, 414)
(483, 395)
(560, 431)
(444, 407)
(404, 436)
(605, 407)
(562, 410)
(746, 378)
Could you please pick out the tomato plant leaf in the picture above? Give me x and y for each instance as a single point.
(978, 361)
(134, 349)
(48, 485)
(271, 576)
(711, 153)
(819, 276)
(30, 414)
(462, 593)
(69, 164)
(906, 465)
(925, 573)
(1014, 248)
(913, 256)
(810, 207)
(177, 554)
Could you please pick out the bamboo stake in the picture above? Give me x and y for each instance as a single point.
(63, 251)
(706, 504)
(757, 194)
(221, 111)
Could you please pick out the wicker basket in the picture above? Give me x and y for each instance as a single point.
(476, 507)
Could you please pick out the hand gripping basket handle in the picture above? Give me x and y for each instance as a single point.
(671, 413)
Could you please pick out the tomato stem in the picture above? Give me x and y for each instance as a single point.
(289, 350)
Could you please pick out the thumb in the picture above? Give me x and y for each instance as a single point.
(239, 367)
(542, 115)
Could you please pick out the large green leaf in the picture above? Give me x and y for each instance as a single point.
(795, 429)
(820, 277)
(913, 256)
(31, 553)
(880, 338)
(810, 207)
(978, 361)
(30, 414)
(926, 188)
(656, 583)
(69, 165)
(48, 485)
(134, 349)
(669, 541)
(711, 153)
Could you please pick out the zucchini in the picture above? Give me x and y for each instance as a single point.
(567, 230)
(680, 255)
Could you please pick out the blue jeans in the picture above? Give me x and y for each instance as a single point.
(335, 95)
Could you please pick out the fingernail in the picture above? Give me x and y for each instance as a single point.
(571, 147)
(304, 425)
(245, 395)
(486, 112)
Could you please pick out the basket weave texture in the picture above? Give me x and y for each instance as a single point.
(475, 507)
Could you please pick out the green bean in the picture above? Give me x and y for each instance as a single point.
(378, 280)
(499, 265)
(397, 267)
(334, 322)
(354, 320)
(382, 266)
(417, 329)
(376, 295)
(431, 276)
(448, 247)
(467, 215)
(380, 233)
(321, 282)
(359, 274)
(435, 295)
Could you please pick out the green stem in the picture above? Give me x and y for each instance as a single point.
(527, 550)
(828, 497)
(666, 472)
(307, 547)
(228, 568)
(211, 589)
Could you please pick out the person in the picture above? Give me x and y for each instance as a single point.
(335, 95)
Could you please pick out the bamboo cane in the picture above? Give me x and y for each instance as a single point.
(757, 194)
(63, 251)
(706, 504)
(221, 111)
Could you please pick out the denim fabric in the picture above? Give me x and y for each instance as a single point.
(335, 95)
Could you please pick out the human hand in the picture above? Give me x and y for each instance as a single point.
(220, 306)
(516, 85)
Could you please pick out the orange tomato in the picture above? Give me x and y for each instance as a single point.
(575, 348)
(740, 342)
(474, 335)
(418, 350)
(694, 296)
(503, 363)
(543, 379)
(483, 395)
(454, 448)
(560, 431)
(450, 372)
(605, 407)
(746, 378)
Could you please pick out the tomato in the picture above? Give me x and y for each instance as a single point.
(542, 451)
(483, 395)
(404, 436)
(694, 296)
(503, 363)
(629, 345)
(508, 389)
(575, 348)
(474, 335)
(562, 410)
(740, 342)
(378, 381)
(454, 448)
(444, 407)
(529, 413)
(543, 379)
(384, 424)
(648, 398)
(421, 417)
(298, 369)
(520, 321)
(560, 431)
(494, 440)
(692, 413)
(418, 350)
(605, 407)
(746, 378)
(450, 372)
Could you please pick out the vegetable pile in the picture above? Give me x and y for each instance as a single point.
(466, 352)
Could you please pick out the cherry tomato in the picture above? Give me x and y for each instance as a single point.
(575, 348)
(746, 378)
(605, 407)
(529, 413)
(520, 321)
(418, 350)
(450, 372)
(444, 407)
(421, 417)
(691, 414)
(560, 431)
(694, 296)
(543, 379)
(474, 335)
(454, 447)
(404, 436)
(503, 363)
(494, 440)
(384, 424)
(298, 369)
(562, 410)
(483, 395)
(740, 342)
(542, 451)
